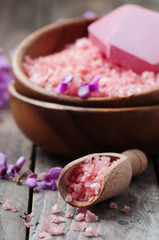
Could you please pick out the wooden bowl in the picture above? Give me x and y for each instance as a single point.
(75, 131)
(53, 38)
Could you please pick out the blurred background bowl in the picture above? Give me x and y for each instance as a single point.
(74, 131)
(53, 38)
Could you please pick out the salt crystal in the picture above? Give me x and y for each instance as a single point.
(79, 216)
(82, 210)
(57, 219)
(55, 209)
(6, 205)
(91, 232)
(126, 209)
(28, 224)
(68, 198)
(113, 205)
(15, 209)
(79, 226)
(90, 217)
(44, 235)
(69, 214)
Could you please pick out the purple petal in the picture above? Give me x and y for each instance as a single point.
(21, 160)
(31, 180)
(9, 169)
(3, 159)
(89, 14)
(55, 172)
(67, 79)
(17, 167)
(83, 91)
(93, 85)
(3, 165)
(61, 88)
(48, 184)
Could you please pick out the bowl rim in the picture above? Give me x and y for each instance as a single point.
(22, 77)
(62, 107)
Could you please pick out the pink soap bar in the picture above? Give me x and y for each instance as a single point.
(129, 36)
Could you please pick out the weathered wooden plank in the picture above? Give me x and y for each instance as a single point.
(13, 144)
(142, 196)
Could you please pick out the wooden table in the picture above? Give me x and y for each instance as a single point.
(17, 19)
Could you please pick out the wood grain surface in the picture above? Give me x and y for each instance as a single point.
(18, 18)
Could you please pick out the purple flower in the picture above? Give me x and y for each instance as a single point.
(63, 86)
(13, 169)
(89, 14)
(55, 172)
(31, 180)
(48, 183)
(3, 165)
(5, 78)
(86, 88)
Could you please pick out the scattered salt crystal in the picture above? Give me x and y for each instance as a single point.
(91, 232)
(6, 205)
(15, 209)
(79, 216)
(68, 198)
(57, 219)
(52, 228)
(82, 210)
(55, 209)
(90, 217)
(44, 235)
(79, 226)
(113, 205)
(126, 209)
(69, 214)
(55, 229)
(28, 217)
(28, 224)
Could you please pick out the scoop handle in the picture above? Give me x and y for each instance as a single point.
(137, 159)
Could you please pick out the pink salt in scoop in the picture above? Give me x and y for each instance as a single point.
(96, 177)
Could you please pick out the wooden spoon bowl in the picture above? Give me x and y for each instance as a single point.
(116, 179)
(53, 38)
(76, 131)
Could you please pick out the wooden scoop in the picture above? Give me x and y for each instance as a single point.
(116, 179)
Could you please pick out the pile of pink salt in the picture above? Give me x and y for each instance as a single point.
(84, 61)
(86, 179)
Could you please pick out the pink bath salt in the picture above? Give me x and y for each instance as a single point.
(55, 209)
(86, 179)
(82, 210)
(68, 198)
(15, 209)
(57, 219)
(44, 235)
(55, 229)
(84, 61)
(28, 217)
(79, 216)
(91, 232)
(28, 224)
(6, 205)
(52, 228)
(68, 214)
(79, 226)
(126, 209)
(113, 205)
(90, 217)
